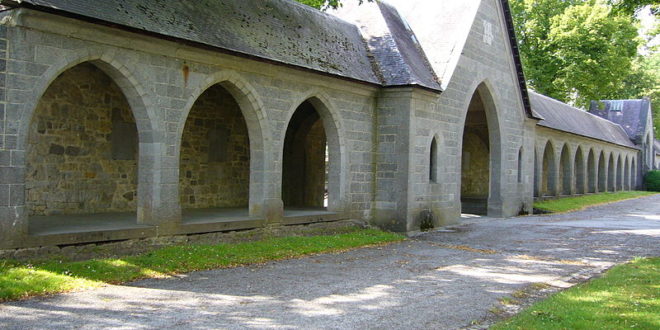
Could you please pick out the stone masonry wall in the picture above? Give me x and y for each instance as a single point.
(215, 153)
(82, 147)
(596, 169)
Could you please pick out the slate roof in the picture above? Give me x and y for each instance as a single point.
(396, 51)
(656, 146)
(277, 30)
(632, 115)
(563, 117)
(442, 28)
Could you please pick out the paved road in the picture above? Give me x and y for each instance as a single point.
(443, 279)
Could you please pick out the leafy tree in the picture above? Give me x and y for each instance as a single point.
(325, 4)
(574, 50)
(633, 6)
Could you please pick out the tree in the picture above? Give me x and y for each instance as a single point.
(643, 82)
(575, 50)
(325, 4)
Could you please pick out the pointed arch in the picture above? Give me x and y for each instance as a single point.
(433, 161)
(316, 102)
(83, 137)
(619, 173)
(602, 172)
(626, 174)
(537, 175)
(252, 111)
(633, 174)
(565, 172)
(549, 171)
(592, 172)
(579, 171)
(482, 153)
(127, 79)
(611, 174)
(142, 106)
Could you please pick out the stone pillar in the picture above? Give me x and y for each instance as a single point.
(393, 117)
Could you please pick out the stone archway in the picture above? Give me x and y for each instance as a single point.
(565, 172)
(579, 172)
(481, 155)
(312, 158)
(82, 147)
(619, 174)
(549, 171)
(592, 172)
(626, 175)
(602, 174)
(214, 165)
(611, 168)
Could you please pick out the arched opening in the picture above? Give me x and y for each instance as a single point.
(537, 175)
(549, 174)
(610, 173)
(565, 173)
(480, 142)
(306, 160)
(579, 171)
(619, 174)
(82, 152)
(633, 174)
(433, 161)
(592, 172)
(602, 175)
(520, 166)
(626, 174)
(214, 166)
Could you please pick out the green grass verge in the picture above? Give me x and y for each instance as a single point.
(627, 296)
(21, 279)
(566, 204)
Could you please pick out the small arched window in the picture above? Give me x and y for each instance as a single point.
(433, 162)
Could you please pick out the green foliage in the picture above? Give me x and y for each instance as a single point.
(575, 51)
(625, 297)
(652, 181)
(325, 4)
(644, 81)
(20, 280)
(633, 6)
(577, 203)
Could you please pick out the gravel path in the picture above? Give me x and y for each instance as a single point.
(443, 279)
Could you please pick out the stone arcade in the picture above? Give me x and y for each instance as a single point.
(130, 118)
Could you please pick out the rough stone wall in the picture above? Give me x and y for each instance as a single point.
(215, 153)
(475, 166)
(82, 147)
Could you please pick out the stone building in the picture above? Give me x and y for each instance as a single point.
(130, 118)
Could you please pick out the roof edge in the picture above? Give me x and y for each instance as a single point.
(508, 18)
(17, 4)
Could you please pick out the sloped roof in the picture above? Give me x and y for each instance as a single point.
(277, 30)
(632, 115)
(442, 28)
(656, 146)
(398, 55)
(563, 117)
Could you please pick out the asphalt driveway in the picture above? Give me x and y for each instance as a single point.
(443, 279)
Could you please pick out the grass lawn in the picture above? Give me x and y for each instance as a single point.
(627, 296)
(21, 279)
(566, 204)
